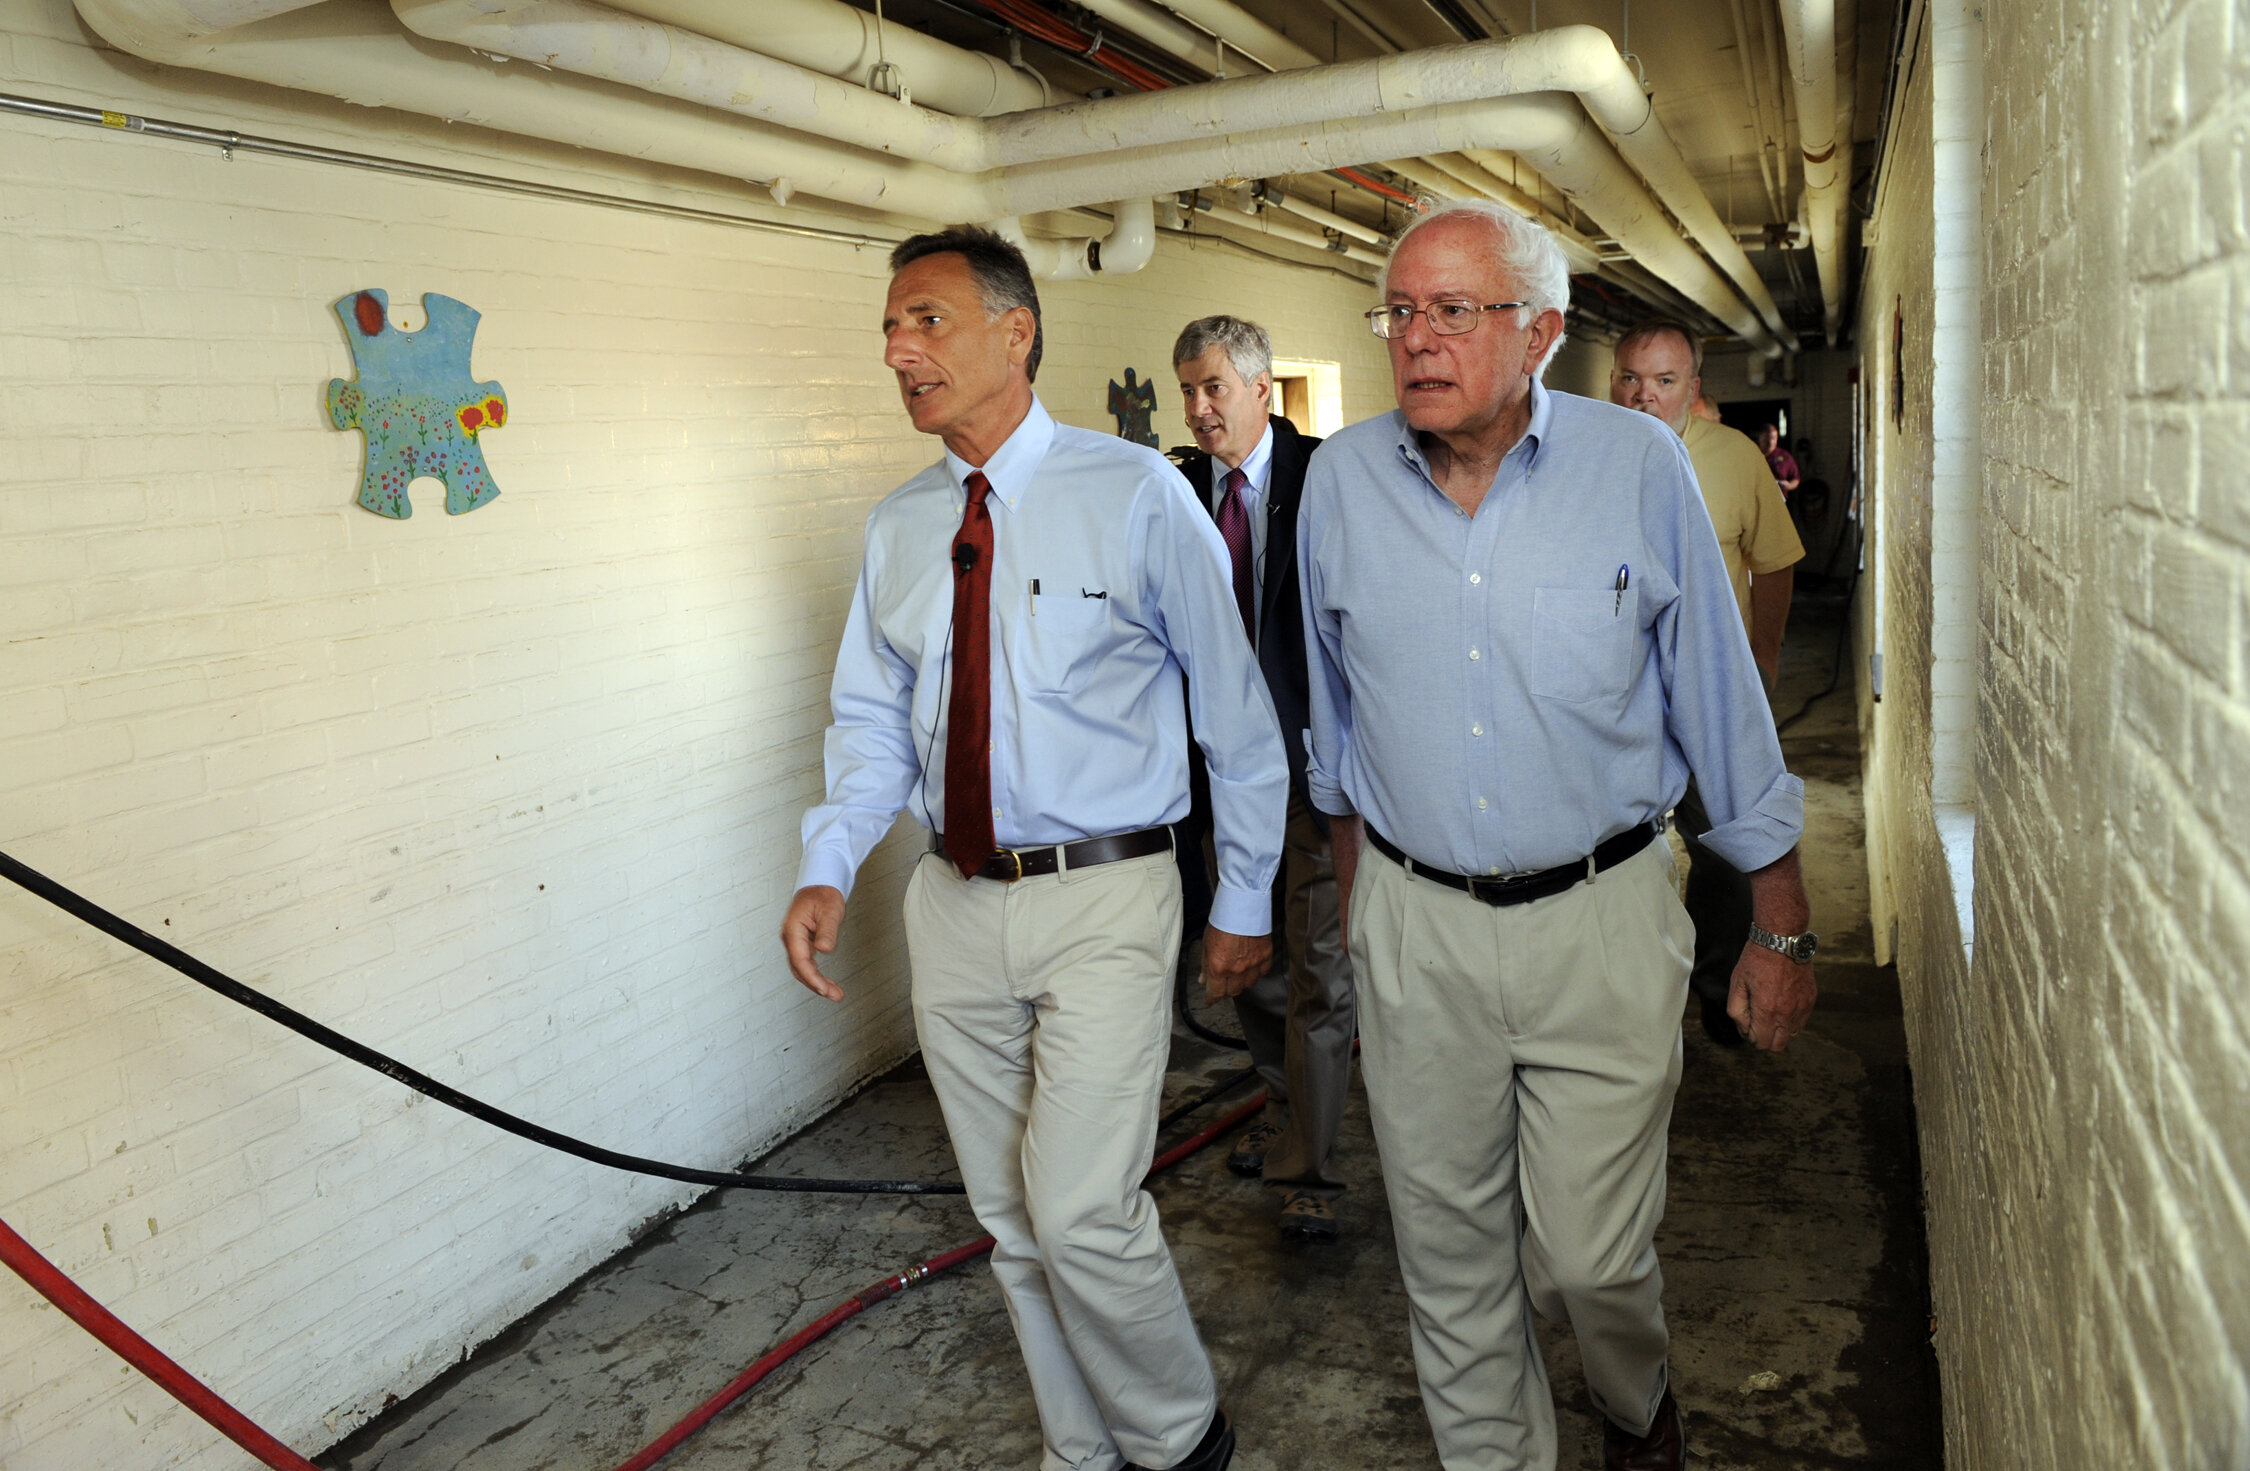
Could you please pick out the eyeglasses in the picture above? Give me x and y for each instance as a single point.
(1448, 318)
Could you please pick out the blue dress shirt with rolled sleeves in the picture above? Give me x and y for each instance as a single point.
(1486, 695)
(1108, 581)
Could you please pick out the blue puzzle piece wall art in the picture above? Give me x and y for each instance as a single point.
(416, 403)
(1134, 404)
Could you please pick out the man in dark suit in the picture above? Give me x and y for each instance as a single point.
(1249, 469)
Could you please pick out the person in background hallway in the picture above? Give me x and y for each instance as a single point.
(1523, 642)
(1025, 611)
(1658, 370)
(1779, 461)
(1249, 468)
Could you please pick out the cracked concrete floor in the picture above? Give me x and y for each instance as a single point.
(1792, 1247)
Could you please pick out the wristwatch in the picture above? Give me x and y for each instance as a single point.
(1799, 948)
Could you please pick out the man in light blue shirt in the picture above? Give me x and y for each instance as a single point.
(1024, 616)
(1524, 641)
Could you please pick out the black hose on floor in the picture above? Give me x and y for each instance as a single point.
(304, 1026)
(1180, 994)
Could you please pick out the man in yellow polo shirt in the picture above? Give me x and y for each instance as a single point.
(1658, 370)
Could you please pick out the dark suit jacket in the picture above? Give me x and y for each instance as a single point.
(1281, 646)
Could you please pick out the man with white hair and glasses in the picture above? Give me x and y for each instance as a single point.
(1523, 643)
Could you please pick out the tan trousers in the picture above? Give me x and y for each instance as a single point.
(1043, 1011)
(1520, 1064)
(1299, 1019)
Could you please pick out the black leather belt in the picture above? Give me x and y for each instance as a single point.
(1522, 888)
(1010, 864)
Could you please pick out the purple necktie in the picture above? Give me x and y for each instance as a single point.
(1234, 526)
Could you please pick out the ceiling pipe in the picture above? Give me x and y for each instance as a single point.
(840, 40)
(610, 45)
(1244, 32)
(1129, 147)
(355, 50)
(1809, 37)
(1130, 245)
(1163, 30)
(1453, 176)
(1305, 209)
(1225, 212)
(1578, 59)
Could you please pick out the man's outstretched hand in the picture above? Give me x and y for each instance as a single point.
(815, 918)
(1232, 964)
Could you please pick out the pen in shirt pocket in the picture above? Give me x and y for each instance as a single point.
(1624, 577)
(1034, 597)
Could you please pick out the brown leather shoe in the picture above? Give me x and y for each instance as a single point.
(1662, 1449)
(1308, 1217)
(1248, 1157)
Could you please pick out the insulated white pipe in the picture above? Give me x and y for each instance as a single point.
(1456, 176)
(594, 40)
(1550, 131)
(1231, 216)
(1327, 219)
(1245, 33)
(1163, 30)
(1598, 182)
(1130, 245)
(1809, 33)
(354, 50)
(840, 40)
(1579, 59)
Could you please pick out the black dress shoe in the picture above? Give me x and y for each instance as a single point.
(1720, 1027)
(1213, 1452)
(1662, 1449)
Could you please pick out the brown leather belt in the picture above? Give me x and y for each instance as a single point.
(1522, 888)
(1010, 864)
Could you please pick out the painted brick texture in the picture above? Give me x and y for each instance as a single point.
(513, 795)
(2081, 1085)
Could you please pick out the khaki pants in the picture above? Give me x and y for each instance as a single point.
(1299, 1019)
(1520, 1064)
(1043, 1011)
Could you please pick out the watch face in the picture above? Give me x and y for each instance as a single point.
(1802, 947)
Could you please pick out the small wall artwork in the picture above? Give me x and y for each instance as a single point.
(416, 403)
(1134, 404)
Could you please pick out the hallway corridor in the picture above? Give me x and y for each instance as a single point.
(1792, 1247)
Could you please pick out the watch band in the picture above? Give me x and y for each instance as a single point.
(1799, 948)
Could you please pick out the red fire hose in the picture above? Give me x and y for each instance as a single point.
(46, 1279)
(90, 1315)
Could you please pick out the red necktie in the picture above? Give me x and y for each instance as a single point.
(968, 729)
(1234, 526)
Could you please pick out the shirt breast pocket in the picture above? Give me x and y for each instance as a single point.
(1582, 644)
(1061, 641)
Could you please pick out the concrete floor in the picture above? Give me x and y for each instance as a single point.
(1792, 1247)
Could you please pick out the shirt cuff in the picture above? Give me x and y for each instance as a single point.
(1328, 794)
(832, 869)
(1242, 911)
(1766, 832)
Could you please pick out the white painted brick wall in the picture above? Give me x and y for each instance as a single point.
(2081, 1087)
(513, 795)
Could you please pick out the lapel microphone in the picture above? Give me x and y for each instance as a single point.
(964, 558)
